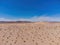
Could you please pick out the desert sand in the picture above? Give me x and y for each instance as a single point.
(39, 33)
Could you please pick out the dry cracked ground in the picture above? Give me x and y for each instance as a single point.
(39, 33)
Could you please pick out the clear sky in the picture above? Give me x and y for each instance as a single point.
(28, 8)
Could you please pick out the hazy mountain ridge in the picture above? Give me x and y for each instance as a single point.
(15, 21)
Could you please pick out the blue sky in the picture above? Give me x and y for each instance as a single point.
(15, 9)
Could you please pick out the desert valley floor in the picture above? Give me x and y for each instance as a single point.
(39, 33)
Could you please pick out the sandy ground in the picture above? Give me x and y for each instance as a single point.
(39, 33)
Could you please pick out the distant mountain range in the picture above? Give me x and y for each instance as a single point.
(26, 21)
(15, 22)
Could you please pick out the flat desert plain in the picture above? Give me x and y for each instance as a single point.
(39, 33)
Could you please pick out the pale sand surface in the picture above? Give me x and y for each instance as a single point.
(39, 33)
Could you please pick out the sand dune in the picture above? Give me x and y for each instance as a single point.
(39, 33)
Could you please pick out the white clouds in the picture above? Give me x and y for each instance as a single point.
(4, 19)
(34, 19)
(42, 18)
